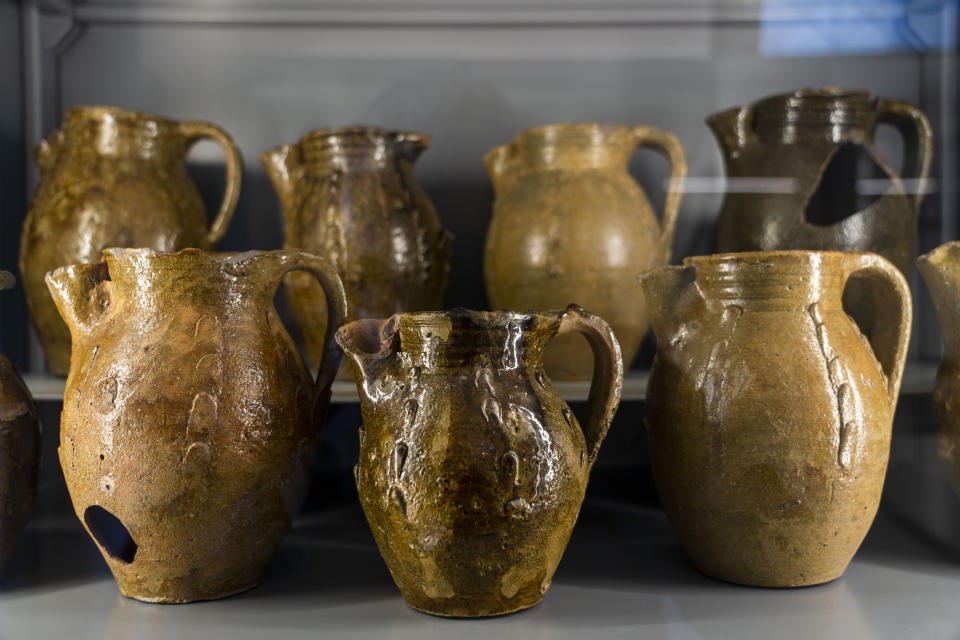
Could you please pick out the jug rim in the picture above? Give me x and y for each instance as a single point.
(758, 257)
(124, 116)
(479, 318)
(554, 130)
(369, 132)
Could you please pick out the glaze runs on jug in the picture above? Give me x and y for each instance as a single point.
(190, 424)
(794, 137)
(20, 443)
(114, 178)
(349, 195)
(472, 468)
(769, 414)
(571, 225)
(941, 272)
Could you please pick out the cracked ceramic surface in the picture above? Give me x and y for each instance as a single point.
(768, 413)
(114, 178)
(349, 195)
(472, 468)
(190, 424)
(570, 225)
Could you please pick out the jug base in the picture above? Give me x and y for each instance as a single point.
(456, 612)
(182, 598)
(749, 578)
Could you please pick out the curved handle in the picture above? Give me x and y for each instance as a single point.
(892, 331)
(607, 373)
(667, 144)
(336, 298)
(914, 127)
(196, 130)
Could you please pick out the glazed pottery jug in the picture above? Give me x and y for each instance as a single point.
(114, 178)
(795, 136)
(472, 468)
(571, 225)
(190, 424)
(769, 414)
(20, 442)
(941, 271)
(349, 195)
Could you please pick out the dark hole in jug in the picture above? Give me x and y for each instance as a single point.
(110, 534)
(850, 182)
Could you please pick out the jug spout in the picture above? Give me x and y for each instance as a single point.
(284, 166)
(80, 295)
(496, 161)
(732, 128)
(670, 293)
(368, 344)
(941, 272)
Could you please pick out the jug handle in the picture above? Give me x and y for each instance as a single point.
(892, 335)
(917, 134)
(196, 130)
(329, 279)
(668, 145)
(604, 394)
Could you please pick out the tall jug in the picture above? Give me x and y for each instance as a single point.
(114, 178)
(190, 425)
(571, 225)
(20, 443)
(769, 414)
(472, 468)
(349, 194)
(941, 271)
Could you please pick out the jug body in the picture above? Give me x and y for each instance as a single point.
(113, 178)
(350, 195)
(472, 469)
(190, 424)
(769, 416)
(570, 225)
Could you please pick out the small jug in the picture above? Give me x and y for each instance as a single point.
(190, 425)
(472, 468)
(941, 271)
(570, 223)
(114, 178)
(349, 194)
(769, 413)
(20, 444)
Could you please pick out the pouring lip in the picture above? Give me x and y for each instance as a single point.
(938, 254)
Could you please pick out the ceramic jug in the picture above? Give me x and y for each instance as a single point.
(472, 468)
(769, 413)
(349, 194)
(114, 178)
(190, 424)
(20, 443)
(794, 137)
(570, 225)
(941, 272)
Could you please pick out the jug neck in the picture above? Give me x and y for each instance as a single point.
(573, 147)
(114, 132)
(772, 281)
(828, 114)
(358, 148)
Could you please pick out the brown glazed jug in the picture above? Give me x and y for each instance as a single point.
(941, 271)
(349, 194)
(472, 468)
(769, 413)
(20, 443)
(571, 225)
(190, 424)
(114, 178)
(794, 137)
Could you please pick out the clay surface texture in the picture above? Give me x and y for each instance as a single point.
(114, 178)
(472, 469)
(769, 413)
(190, 424)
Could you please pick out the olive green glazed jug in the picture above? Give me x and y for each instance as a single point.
(472, 468)
(190, 424)
(768, 412)
(349, 194)
(941, 272)
(20, 445)
(114, 178)
(571, 225)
